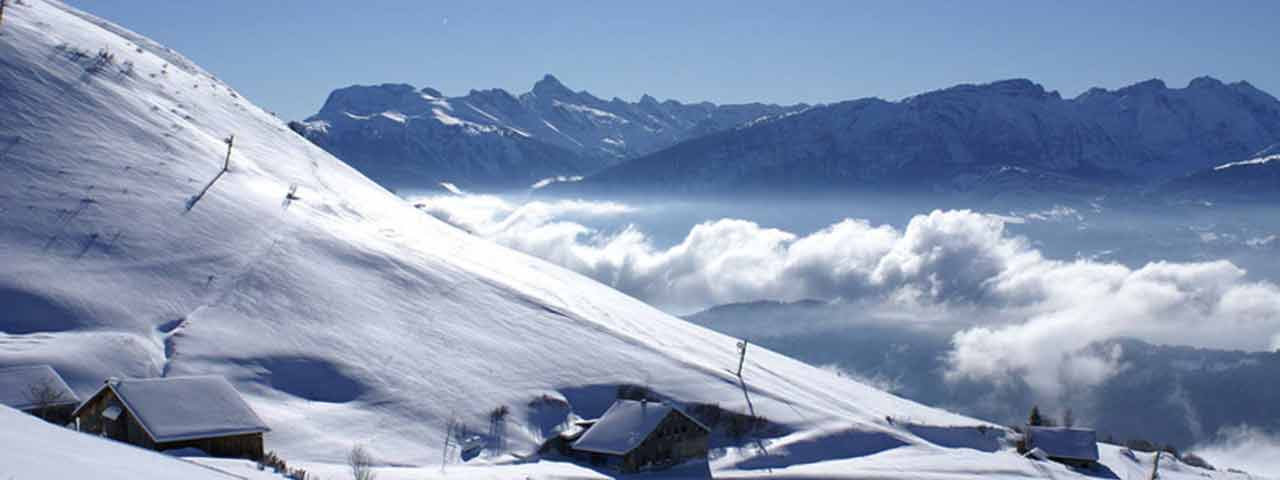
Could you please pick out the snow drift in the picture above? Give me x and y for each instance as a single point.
(34, 449)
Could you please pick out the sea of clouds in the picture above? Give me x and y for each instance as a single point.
(1027, 317)
(1243, 448)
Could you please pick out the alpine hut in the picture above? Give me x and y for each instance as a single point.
(202, 412)
(1077, 447)
(634, 435)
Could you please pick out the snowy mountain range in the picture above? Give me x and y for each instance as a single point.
(153, 222)
(405, 137)
(1010, 134)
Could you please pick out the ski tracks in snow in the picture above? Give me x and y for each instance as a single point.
(170, 332)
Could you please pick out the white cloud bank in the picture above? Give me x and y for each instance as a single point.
(1035, 316)
(1243, 448)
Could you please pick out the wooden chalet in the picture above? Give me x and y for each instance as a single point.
(635, 435)
(1077, 447)
(203, 412)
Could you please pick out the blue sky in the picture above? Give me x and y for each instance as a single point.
(288, 55)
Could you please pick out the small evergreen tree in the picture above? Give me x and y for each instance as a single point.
(1068, 419)
(1035, 419)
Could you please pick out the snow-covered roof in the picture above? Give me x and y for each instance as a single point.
(182, 408)
(624, 426)
(1062, 442)
(16, 384)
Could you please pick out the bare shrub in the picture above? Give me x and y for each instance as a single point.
(735, 425)
(498, 428)
(44, 397)
(274, 462)
(361, 463)
(102, 60)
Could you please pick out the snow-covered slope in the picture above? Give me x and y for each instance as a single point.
(344, 315)
(35, 449)
(1011, 134)
(404, 137)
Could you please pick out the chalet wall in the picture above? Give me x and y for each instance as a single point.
(57, 414)
(90, 417)
(235, 446)
(676, 439)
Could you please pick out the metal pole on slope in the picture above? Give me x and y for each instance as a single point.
(231, 140)
(742, 355)
(448, 434)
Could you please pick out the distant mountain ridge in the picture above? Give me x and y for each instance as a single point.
(1005, 135)
(402, 136)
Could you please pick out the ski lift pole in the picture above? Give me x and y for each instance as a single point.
(230, 141)
(448, 435)
(742, 355)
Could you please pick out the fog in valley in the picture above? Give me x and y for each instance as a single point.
(1136, 318)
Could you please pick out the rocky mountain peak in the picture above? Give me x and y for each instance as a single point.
(368, 99)
(550, 86)
(431, 92)
(1144, 87)
(1206, 82)
(1016, 86)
